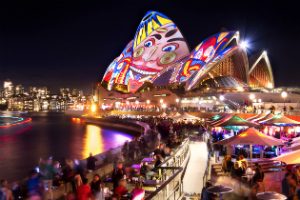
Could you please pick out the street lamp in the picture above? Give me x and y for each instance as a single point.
(284, 96)
(161, 101)
(93, 107)
(222, 98)
(148, 101)
(252, 97)
(244, 44)
(177, 100)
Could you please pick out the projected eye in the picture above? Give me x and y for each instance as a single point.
(149, 43)
(138, 52)
(170, 47)
(168, 58)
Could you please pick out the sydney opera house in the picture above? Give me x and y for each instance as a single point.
(159, 58)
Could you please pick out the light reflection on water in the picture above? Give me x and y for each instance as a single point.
(52, 135)
(96, 140)
(93, 142)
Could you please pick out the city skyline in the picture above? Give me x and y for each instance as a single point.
(72, 44)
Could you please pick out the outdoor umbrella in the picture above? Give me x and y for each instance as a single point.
(163, 115)
(280, 120)
(256, 117)
(223, 118)
(289, 158)
(216, 117)
(249, 137)
(235, 121)
(172, 115)
(186, 116)
(263, 118)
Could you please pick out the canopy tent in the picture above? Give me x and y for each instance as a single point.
(216, 117)
(280, 120)
(223, 118)
(266, 117)
(290, 158)
(234, 121)
(249, 137)
(163, 115)
(186, 116)
(172, 115)
(258, 116)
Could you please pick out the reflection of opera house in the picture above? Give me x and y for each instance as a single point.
(158, 59)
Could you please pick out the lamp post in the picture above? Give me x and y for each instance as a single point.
(252, 98)
(177, 103)
(284, 96)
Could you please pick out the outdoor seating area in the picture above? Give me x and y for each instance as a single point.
(248, 161)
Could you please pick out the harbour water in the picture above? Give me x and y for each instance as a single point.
(52, 134)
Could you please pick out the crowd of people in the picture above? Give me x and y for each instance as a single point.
(71, 177)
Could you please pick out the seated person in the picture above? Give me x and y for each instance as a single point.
(257, 179)
(121, 189)
(153, 172)
(144, 169)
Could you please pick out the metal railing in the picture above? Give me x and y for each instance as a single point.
(172, 170)
(171, 188)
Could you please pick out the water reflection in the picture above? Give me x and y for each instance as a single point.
(93, 141)
(55, 135)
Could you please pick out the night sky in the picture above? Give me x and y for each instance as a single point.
(70, 43)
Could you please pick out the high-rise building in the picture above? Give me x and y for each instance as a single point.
(8, 89)
(19, 90)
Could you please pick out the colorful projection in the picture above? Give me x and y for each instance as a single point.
(157, 45)
(203, 54)
(159, 54)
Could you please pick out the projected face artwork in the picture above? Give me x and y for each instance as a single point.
(158, 56)
(118, 70)
(203, 53)
(157, 47)
(162, 48)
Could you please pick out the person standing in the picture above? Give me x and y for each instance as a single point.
(117, 174)
(95, 184)
(47, 171)
(84, 191)
(5, 192)
(91, 162)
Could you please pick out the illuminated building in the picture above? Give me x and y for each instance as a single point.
(159, 57)
(40, 99)
(8, 89)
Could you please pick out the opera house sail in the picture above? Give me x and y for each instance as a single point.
(159, 55)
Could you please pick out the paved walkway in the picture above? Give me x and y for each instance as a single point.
(193, 178)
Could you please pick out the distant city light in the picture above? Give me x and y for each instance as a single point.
(222, 98)
(244, 44)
